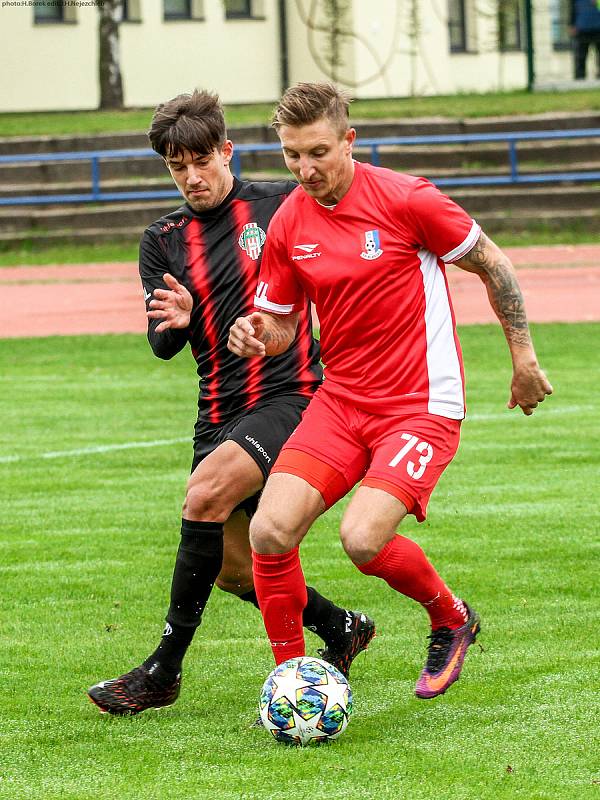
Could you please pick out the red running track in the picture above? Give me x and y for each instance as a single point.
(560, 284)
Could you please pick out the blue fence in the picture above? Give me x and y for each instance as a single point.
(512, 176)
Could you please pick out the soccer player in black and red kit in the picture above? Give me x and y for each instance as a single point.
(199, 267)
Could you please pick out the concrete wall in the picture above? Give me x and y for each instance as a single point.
(388, 48)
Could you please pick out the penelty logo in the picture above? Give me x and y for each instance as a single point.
(307, 249)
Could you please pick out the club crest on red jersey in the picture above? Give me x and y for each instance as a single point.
(252, 239)
(370, 242)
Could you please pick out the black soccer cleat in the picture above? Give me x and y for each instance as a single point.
(136, 691)
(359, 631)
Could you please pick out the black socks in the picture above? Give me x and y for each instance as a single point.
(198, 563)
(324, 618)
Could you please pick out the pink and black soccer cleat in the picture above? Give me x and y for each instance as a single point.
(447, 650)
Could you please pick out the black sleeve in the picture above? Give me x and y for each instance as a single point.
(572, 13)
(153, 265)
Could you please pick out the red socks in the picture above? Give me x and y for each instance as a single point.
(406, 569)
(281, 591)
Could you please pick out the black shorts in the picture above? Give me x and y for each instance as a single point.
(261, 432)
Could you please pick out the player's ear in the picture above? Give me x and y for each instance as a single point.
(349, 138)
(227, 151)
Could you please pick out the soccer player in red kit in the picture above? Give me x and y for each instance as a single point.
(369, 247)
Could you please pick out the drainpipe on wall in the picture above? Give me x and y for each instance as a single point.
(530, 48)
(283, 48)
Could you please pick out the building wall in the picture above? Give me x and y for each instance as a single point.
(403, 49)
(551, 66)
(237, 58)
(54, 66)
(47, 67)
(309, 44)
(387, 48)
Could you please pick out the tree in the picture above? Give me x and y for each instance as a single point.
(111, 84)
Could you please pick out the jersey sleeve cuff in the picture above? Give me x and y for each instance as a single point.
(464, 247)
(274, 308)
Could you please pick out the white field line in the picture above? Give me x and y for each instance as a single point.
(109, 448)
(540, 412)
(96, 449)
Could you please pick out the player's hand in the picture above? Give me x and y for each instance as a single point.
(529, 387)
(245, 336)
(172, 305)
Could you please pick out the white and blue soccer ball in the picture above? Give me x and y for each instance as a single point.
(305, 700)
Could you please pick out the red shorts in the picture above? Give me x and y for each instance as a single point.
(336, 445)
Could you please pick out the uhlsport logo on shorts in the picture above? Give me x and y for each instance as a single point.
(259, 447)
(371, 248)
(252, 239)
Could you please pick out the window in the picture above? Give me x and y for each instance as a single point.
(132, 11)
(560, 20)
(509, 25)
(174, 10)
(48, 13)
(238, 9)
(54, 12)
(457, 30)
(177, 9)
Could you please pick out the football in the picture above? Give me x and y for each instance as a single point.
(305, 701)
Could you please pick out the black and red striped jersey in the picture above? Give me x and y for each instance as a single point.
(216, 254)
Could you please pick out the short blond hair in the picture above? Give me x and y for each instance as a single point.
(306, 103)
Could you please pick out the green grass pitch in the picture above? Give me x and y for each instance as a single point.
(89, 534)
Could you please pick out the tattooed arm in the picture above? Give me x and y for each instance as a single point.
(529, 384)
(262, 334)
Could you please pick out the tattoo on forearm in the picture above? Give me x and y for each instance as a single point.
(503, 290)
(476, 256)
(275, 340)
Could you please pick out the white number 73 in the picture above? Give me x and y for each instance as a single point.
(421, 447)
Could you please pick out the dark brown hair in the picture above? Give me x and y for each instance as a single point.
(306, 103)
(193, 122)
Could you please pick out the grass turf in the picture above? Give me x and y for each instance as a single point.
(86, 553)
(461, 105)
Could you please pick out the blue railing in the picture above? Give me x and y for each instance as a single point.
(514, 176)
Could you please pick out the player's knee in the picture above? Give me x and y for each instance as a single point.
(267, 536)
(359, 540)
(205, 503)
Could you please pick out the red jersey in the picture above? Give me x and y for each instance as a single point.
(374, 267)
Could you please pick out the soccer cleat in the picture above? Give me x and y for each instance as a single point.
(359, 632)
(136, 691)
(447, 650)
